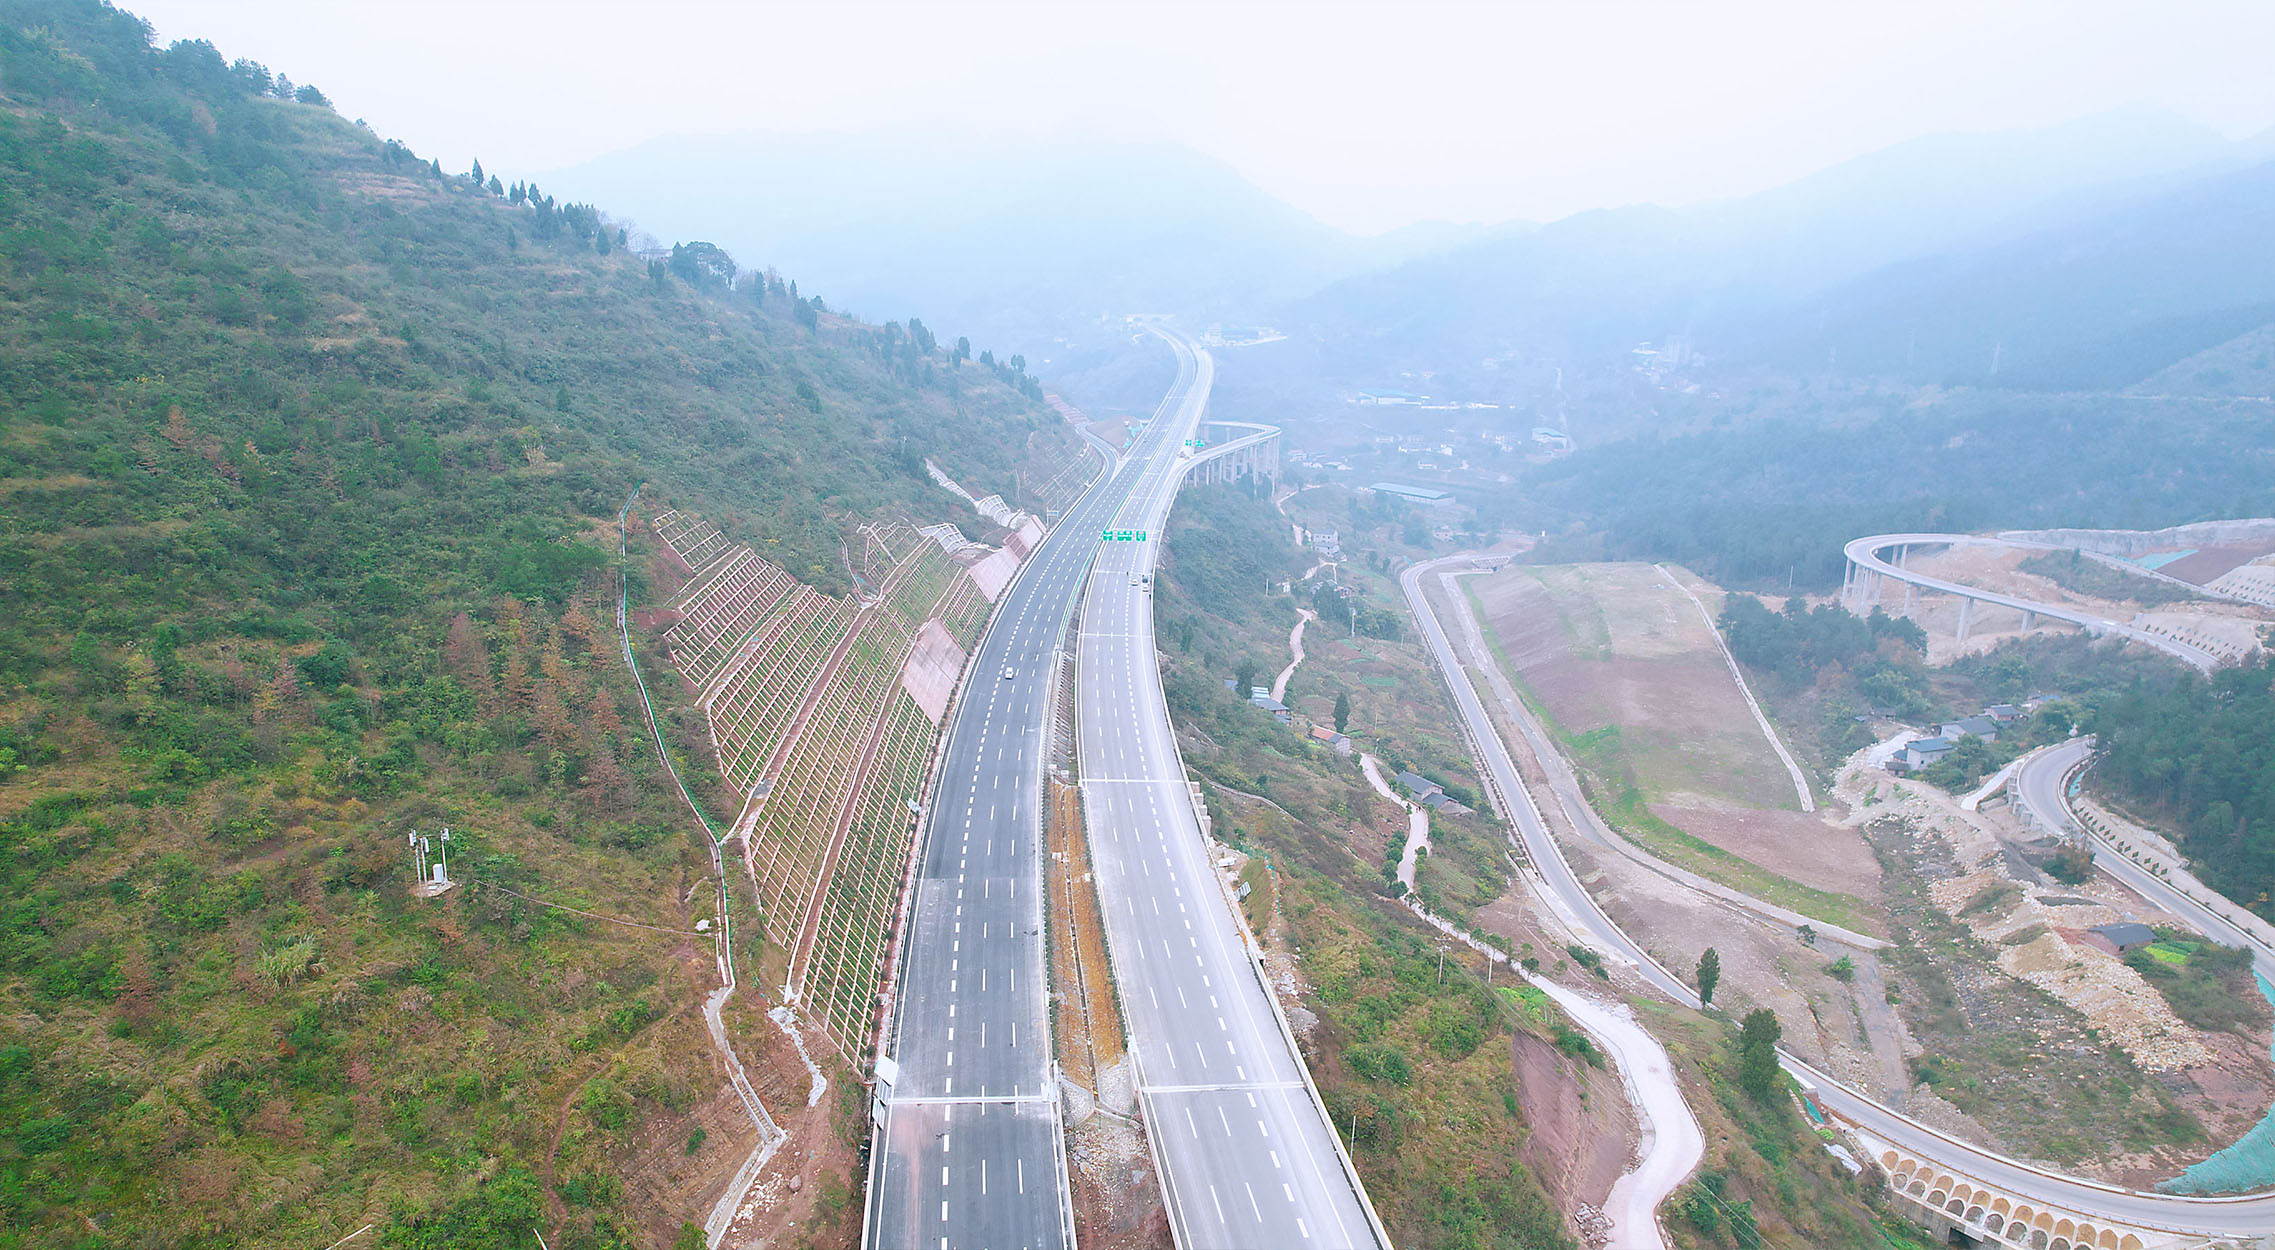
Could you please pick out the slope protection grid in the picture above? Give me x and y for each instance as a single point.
(810, 710)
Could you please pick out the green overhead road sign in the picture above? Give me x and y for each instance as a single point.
(1121, 536)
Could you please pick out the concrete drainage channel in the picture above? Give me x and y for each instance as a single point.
(770, 1134)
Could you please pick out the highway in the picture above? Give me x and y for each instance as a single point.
(969, 1151)
(1864, 553)
(1560, 889)
(1243, 1147)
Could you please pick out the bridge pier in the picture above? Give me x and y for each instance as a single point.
(2029, 621)
(1966, 616)
(1224, 463)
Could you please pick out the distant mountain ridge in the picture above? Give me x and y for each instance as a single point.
(2093, 302)
(1750, 279)
(1040, 244)
(1017, 243)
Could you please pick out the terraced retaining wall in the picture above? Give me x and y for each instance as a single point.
(824, 713)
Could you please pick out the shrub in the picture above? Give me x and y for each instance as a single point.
(1380, 1061)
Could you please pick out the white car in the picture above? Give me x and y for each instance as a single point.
(1008, 674)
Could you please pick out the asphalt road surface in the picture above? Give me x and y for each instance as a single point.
(1245, 1153)
(969, 1152)
(2038, 786)
(1865, 554)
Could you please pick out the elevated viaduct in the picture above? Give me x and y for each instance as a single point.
(1236, 449)
(1865, 583)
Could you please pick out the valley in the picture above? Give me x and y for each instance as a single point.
(1464, 628)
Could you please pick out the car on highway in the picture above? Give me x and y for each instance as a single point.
(1008, 673)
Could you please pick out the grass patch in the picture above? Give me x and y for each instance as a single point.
(2209, 986)
(1643, 827)
(2024, 936)
(1529, 1004)
(1996, 897)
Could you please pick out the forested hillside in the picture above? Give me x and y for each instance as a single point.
(1768, 502)
(2200, 757)
(311, 457)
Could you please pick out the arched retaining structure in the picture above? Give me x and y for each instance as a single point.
(1951, 1203)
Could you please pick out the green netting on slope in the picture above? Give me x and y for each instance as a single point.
(2247, 1165)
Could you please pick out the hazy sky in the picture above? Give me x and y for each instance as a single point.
(1368, 116)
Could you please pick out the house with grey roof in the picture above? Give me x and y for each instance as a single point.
(1921, 752)
(1977, 726)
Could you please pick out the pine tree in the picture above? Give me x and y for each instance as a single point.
(466, 657)
(1757, 1053)
(1342, 711)
(605, 780)
(1709, 975)
(603, 717)
(550, 661)
(551, 720)
(519, 690)
(577, 625)
(280, 698)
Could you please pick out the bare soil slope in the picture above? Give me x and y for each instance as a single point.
(1630, 677)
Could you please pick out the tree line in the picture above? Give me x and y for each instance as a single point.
(2199, 757)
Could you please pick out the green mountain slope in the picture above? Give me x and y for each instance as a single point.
(310, 464)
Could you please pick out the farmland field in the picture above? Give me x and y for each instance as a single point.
(1625, 669)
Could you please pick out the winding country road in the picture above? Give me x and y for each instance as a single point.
(2040, 788)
